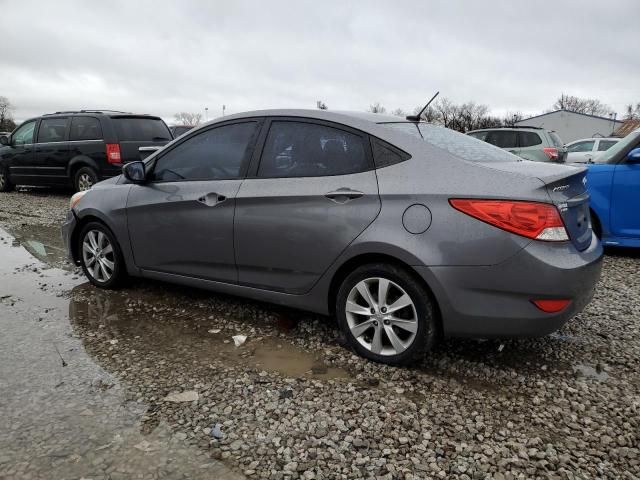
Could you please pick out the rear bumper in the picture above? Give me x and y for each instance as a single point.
(495, 301)
(68, 228)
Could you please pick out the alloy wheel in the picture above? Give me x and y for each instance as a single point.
(98, 255)
(85, 182)
(381, 316)
(3, 180)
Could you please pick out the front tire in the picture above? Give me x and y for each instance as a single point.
(100, 256)
(84, 179)
(386, 314)
(5, 181)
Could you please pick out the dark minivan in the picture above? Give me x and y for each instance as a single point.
(77, 148)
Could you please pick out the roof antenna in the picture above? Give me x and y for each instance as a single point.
(416, 118)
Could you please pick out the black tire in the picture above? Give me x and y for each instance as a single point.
(424, 314)
(83, 178)
(5, 181)
(119, 271)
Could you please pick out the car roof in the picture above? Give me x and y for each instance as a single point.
(516, 127)
(338, 116)
(615, 139)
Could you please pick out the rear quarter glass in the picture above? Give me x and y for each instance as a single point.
(556, 141)
(141, 129)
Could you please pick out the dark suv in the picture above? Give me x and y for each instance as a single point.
(77, 148)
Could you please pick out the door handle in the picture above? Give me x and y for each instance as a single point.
(343, 195)
(212, 199)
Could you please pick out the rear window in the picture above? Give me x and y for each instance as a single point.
(556, 139)
(606, 145)
(141, 129)
(458, 144)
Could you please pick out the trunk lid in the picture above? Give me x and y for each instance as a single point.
(567, 188)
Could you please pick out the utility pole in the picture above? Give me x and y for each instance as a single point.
(206, 114)
(224, 107)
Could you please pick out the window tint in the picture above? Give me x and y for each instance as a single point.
(52, 129)
(582, 146)
(502, 138)
(606, 145)
(385, 154)
(24, 134)
(140, 129)
(216, 154)
(85, 128)
(458, 144)
(529, 139)
(296, 149)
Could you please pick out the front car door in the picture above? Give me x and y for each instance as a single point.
(313, 191)
(20, 155)
(625, 198)
(52, 150)
(580, 152)
(181, 222)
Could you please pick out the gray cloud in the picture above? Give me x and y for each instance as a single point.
(163, 57)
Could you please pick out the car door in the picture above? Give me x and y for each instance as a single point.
(530, 146)
(20, 155)
(181, 221)
(580, 152)
(312, 192)
(625, 200)
(52, 150)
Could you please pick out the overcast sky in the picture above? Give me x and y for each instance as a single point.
(164, 57)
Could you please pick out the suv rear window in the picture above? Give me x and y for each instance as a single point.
(140, 129)
(458, 144)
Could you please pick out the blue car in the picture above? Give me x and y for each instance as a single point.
(614, 185)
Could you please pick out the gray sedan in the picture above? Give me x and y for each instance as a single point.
(403, 230)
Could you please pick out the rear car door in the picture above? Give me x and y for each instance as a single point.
(313, 191)
(21, 156)
(530, 146)
(181, 222)
(580, 152)
(52, 150)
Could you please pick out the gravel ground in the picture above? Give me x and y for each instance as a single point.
(294, 402)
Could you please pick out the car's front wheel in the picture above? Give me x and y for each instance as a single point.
(5, 181)
(386, 314)
(100, 256)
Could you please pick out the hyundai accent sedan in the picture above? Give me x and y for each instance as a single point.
(403, 230)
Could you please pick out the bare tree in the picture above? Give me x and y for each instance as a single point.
(589, 106)
(512, 118)
(633, 113)
(431, 115)
(398, 112)
(321, 105)
(377, 108)
(6, 117)
(186, 118)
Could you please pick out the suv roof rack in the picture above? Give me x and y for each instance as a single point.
(515, 126)
(87, 111)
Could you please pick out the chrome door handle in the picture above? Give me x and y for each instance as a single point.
(212, 199)
(343, 195)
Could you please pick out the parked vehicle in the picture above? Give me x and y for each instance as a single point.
(530, 143)
(76, 148)
(4, 133)
(177, 130)
(403, 230)
(614, 185)
(585, 150)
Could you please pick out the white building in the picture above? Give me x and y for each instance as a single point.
(572, 126)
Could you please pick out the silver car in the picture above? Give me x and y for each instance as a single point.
(531, 143)
(404, 231)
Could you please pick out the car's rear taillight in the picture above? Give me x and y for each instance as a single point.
(552, 153)
(113, 153)
(540, 221)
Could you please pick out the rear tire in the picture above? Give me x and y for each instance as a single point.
(396, 330)
(5, 181)
(100, 256)
(84, 179)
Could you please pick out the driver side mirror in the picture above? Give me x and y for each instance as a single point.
(4, 140)
(634, 156)
(134, 172)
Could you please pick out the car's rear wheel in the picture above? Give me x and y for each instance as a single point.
(84, 179)
(5, 181)
(386, 314)
(100, 256)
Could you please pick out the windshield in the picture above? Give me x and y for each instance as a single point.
(458, 144)
(611, 155)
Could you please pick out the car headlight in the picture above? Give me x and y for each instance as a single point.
(76, 198)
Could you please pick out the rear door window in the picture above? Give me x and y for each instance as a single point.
(503, 138)
(53, 130)
(605, 145)
(529, 139)
(85, 128)
(141, 129)
(298, 149)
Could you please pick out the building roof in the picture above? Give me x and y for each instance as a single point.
(626, 128)
(575, 113)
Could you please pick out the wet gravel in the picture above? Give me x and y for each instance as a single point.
(294, 402)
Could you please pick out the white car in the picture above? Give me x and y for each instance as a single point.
(587, 149)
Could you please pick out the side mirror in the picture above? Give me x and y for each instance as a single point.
(4, 140)
(634, 156)
(134, 172)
